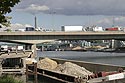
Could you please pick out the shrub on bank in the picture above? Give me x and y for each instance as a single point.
(8, 79)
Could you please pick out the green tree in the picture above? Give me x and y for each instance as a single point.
(5, 7)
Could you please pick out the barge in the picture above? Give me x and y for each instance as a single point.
(102, 73)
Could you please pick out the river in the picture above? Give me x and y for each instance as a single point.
(97, 57)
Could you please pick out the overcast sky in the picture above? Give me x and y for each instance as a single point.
(52, 14)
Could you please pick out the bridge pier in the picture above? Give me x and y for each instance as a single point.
(115, 44)
(27, 47)
(34, 52)
(112, 43)
(42, 48)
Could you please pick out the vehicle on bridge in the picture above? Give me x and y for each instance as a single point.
(81, 28)
(72, 28)
(113, 29)
(32, 29)
(93, 28)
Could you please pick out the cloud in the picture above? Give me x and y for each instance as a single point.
(19, 26)
(112, 21)
(34, 9)
(74, 7)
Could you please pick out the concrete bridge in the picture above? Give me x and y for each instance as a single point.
(36, 36)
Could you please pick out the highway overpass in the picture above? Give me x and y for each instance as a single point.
(38, 36)
(33, 37)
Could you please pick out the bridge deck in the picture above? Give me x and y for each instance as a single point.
(63, 33)
(38, 35)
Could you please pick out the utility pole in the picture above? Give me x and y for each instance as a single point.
(113, 21)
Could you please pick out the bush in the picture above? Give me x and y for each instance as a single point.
(8, 79)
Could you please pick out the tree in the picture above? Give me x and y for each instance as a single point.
(5, 7)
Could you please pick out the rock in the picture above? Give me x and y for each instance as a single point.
(67, 68)
(73, 69)
(47, 63)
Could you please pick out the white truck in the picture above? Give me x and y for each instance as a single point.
(97, 28)
(71, 28)
(93, 28)
(81, 28)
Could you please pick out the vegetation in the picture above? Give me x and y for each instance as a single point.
(9, 79)
(5, 7)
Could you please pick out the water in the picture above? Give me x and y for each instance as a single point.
(98, 57)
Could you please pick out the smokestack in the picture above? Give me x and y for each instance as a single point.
(35, 22)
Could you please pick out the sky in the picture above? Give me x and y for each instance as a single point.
(52, 14)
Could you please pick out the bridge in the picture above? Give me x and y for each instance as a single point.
(34, 37)
(37, 35)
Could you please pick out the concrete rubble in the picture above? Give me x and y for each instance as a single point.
(73, 69)
(47, 63)
(66, 68)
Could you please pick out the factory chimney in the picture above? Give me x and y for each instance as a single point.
(35, 22)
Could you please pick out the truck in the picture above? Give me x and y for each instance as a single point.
(71, 28)
(81, 28)
(30, 29)
(97, 28)
(93, 28)
(113, 29)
